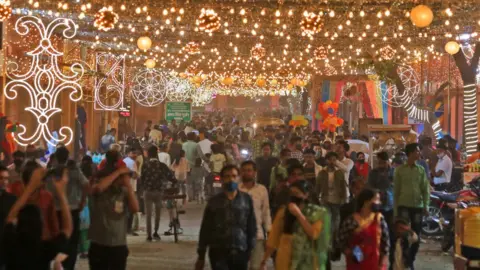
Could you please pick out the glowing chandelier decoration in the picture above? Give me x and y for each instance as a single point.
(208, 21)
(311, 23)
(5, 10)
(105, 19)
(150, 63)
(179, 89)
(192, 48)
(110, 87)
(387, 52)
(258, 52)
(320, 53)
(44, 96)
(149, 87)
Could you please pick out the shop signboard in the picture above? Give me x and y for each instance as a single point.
(178, 111)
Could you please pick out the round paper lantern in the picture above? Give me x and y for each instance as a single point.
(260, 82)
(144, 43)
(421, 16)
(182, 75)
(150, 63)
(452, 47)
(290, 86)
(295, 81)
(197, 79)
(273, 82)
(227, 81)
(248, 81)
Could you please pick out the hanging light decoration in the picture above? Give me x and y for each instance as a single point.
(311, 23)
(421, 16)
(208, 21)
(452, 47)
(150, 63)
(5, 10)
(192, 48)
(144, 43)
(105, 19)
(258, 52)
(387, 52)
(320, 53)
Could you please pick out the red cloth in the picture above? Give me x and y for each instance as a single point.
(362, 169)
(368, 240)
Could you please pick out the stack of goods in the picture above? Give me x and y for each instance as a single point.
(467, 233)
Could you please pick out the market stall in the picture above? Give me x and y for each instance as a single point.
(389, 138)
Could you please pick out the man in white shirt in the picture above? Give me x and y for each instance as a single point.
(343, 163)
(261, 206)
(443, 170)
(204, 146)
(163, 156)
(131, 163)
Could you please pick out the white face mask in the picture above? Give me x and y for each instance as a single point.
(441, 155)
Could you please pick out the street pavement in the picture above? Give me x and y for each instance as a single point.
(167, 255)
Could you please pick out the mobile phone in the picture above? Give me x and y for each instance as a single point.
(357, 254)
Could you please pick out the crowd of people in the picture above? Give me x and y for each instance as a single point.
(288, 194)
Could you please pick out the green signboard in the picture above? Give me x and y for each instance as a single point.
(178, 111)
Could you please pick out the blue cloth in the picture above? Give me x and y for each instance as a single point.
(424, 164)
(228, 224)
(85, 218)
(382, 180)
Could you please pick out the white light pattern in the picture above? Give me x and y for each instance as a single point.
(44, 82)
(149, 87)
(179, 89)
(411, 83)
(202, 96)
(113, 69)
(470, 118)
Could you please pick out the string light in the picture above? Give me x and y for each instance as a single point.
(105, 19)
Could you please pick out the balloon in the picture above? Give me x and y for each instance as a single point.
(335, 105)
(317, 115)
(329, 102)
(330, 111)
(340, 121)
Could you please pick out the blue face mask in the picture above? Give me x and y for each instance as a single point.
(230, 186)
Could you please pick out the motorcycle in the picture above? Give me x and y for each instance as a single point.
(439, 210)
(448, 226)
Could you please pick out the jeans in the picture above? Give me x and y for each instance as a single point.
(72, 246)
(415, 216)
(107, 258)
(153, 198)
(221, 259)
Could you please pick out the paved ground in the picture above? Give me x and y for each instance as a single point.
(167, 255)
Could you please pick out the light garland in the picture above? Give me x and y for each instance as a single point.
(311, 23)
(320, 53)
(179, 89)
(208, 21)
(5, 10)
(470, 118)
(387, 52)
(149, 87)
(192, 48)
(411, 82)
(113, 82)
(105, 19)
(44, 96)
(258, 52)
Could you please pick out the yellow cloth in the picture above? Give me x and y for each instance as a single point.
(283, 242)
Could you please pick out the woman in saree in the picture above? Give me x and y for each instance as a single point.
(300, 233)
(363, 237)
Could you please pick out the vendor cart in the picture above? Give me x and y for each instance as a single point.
(467, 239)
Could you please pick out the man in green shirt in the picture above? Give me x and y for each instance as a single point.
(411, 193)
(279, 172)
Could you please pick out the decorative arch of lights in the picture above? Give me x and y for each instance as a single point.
(44, 81)
(113, 66)
(149, 87)
(202, 96)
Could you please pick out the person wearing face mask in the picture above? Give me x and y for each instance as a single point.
(443, 169)
(229, 228)
(332, 189)
(300, 233)
(319, 155)
(361, 167)
(261, 205)
(363, 237)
